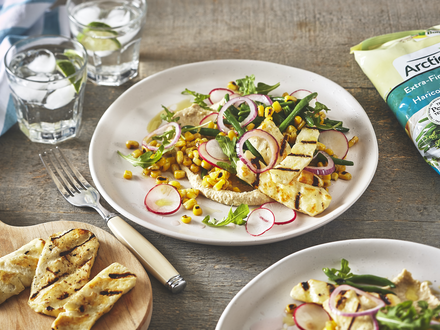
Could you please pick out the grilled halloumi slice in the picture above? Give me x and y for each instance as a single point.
(17, 269)
(299, 157)
(64, 268)
(312, 291)
(95, 299)
(349, 301)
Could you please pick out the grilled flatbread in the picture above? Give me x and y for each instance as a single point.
(17, 269)
(95, 299)
(63, 269)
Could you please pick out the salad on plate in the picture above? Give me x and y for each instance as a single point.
(245, 145)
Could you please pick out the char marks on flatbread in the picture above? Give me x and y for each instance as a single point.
(64, 268)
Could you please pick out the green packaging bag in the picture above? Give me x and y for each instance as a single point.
(405, 69)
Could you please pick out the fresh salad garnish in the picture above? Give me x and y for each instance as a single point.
(249, 140)
(363, 302)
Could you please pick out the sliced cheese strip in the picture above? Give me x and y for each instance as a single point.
(95, 299)
(299, 157)
(17, 269)
(312, 291)
(63, 269)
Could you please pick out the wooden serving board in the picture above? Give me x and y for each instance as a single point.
(132, 311)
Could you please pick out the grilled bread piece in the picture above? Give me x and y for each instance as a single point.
(18, 268)
(95, 299)
(64, 268)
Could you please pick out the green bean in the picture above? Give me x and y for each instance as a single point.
(301, 104)
(369, 288)
(309, 121)
(202, 130)
(337, 161)
(372, 279)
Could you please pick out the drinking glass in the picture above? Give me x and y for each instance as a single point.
(110, 30)
(47, 76)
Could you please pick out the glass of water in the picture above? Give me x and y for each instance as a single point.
(47, 76)
(110, 30)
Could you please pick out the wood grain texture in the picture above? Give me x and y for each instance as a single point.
(132, 311)
(316, 35)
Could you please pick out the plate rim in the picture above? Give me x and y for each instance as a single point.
(286, 259)
(210, 241)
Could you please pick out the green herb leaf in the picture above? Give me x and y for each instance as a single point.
(247, 86)
(236, 217)
(198, 98)
(405, 316)
(145, 159)
(169, 115)
(228, 147)
(265, 89)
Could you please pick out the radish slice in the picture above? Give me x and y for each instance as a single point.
(259, 221)
(302, 93)
(282, 213)
(203, 153)
(335, 140)
(260, 98)
(160, 130)
(217, 94)
(252, 114)
(328, 169)
(163, 199)
(273, 144)
(213, 148)
(211, 117)
(345, 287)
(310, 316)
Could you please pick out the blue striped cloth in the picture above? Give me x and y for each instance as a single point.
(18, 19)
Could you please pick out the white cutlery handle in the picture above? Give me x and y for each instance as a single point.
(153, 261)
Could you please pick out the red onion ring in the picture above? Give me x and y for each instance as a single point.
(260, 98)
(252, 115)
(330, 168)
(345, 287)
(161, 130)
(273, 144)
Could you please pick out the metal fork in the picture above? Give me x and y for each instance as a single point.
(78, 192)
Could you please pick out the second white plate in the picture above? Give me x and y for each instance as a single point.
(262, 301)
(128, 117)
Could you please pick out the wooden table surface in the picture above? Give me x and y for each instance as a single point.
(316, 35)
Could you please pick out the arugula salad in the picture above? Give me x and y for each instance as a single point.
(237, 145)
(352, 301)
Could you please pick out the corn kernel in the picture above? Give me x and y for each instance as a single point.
(146, 171)
(128, 175)
(277, 107)
(298, 120)
(288, 98)
(231, 135)
(194, 191)
(321, 146)
(330, 325)
(261, 110)
(222, 134)
(153, 143)
(179, 174)
(186, 161)
(184, 200)
(161, 161)
(197, 210)
(166, 166)
(353, 141)
(211, 181)
(340, 168)
(137, 153)
(196, 154)
(191, 194)
(194, 168)
(206, 165)
(190, 203)
(155, 173)
(251, 126)
(179, 157)
(197, 161)
(182, 192)
(180, 143)
(268, 112)
(185, 219)
(130, 144)
(335, 176)
(329, 151)
(219, 185)
(236, 189)
(290, 308)
(188, 136)
(154, 167)
(232, 86)
(291, 129)
(326, 177)
(175, 167)
(161, 179)
(302, 124)
(211, 124)
(345, 175)
(175, 184)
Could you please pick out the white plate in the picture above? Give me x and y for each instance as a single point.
(264, 298)
(128, 116)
